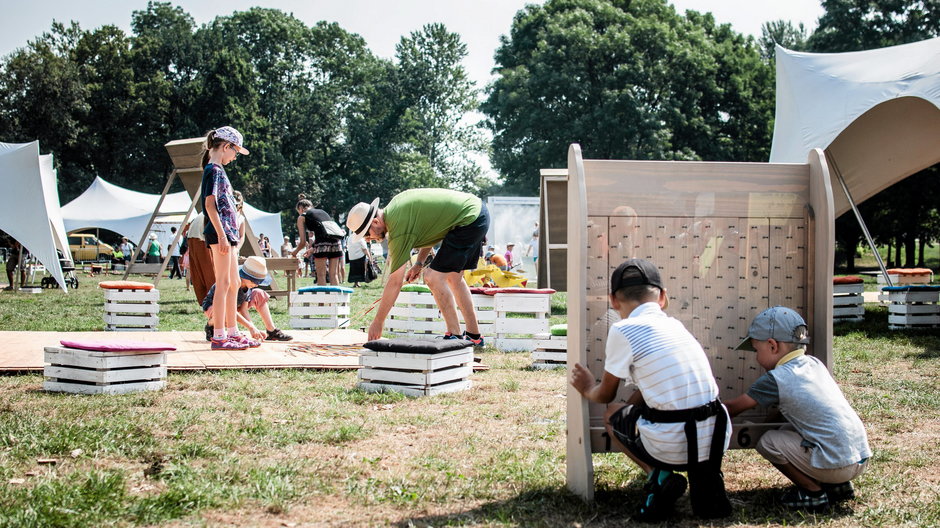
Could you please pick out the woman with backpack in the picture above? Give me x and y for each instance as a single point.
(327, 247)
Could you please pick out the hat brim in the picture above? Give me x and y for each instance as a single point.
(247, 276)
(373, 211)
(746, 345)
(241, 150)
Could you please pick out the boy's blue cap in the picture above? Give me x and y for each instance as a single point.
(778, 323)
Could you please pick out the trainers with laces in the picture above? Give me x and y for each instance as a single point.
(450, 336)
(209, 330)
(227, 344)
(476, 342)
(839, 492)
(798, 498)
(277, 335)
(660, 498)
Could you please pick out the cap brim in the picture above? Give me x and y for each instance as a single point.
(241, 150)
(745, 345)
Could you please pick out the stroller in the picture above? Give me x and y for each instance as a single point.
(68, 271)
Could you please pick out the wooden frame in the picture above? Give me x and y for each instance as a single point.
(730, 239)
(553, 233)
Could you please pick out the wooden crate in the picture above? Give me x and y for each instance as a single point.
(906, 279)
(912, 308)
(131, 310)
(551, 352)
(848, 302)
(416, 314)
(519, 317)
(94, 372)
(316, 310)
(416, 374)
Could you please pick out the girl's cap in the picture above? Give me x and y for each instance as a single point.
(233, 136)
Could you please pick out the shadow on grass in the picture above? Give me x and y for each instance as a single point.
(875, 327)
(558, 507)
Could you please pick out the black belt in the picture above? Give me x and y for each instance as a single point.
(689, 417)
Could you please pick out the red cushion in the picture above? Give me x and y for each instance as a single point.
(117, 346)
(850, 279)
(125, 285)
(909, 271)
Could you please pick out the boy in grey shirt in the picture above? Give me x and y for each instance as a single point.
(824, 446)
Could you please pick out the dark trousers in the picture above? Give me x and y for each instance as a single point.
(175, 269)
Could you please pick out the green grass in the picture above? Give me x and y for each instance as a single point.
(302, 447)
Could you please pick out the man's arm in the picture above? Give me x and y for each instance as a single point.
(583, 381)
(415, 270)
(389, 296)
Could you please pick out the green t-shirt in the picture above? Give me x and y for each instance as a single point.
(419, 218)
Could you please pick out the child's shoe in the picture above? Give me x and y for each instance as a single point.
(478, 342)
(797, 498)
(247, 341)
(209, 330)
(277, 335)
(227, 344)
(839, 492)
(661, 497)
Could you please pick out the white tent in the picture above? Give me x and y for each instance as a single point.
(108, 206)
(875, 113)
(29, 204)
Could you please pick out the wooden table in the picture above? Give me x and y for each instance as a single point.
(289, 266)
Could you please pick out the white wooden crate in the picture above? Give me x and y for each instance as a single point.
(912, 309)
(848, 289)
(417, 314)
(416, 374)
(95, 372)
(315, 310)
(550, 352)
(131, 310)
(518, 333)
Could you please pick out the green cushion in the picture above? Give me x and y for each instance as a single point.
(415, 288)
(559, 330)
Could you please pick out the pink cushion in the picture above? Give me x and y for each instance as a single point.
(125, 285)
(494, 291)
(117, 346)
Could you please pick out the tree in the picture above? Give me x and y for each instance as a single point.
(626, 80)
(854, 25)
(439, 97)
(781, 32)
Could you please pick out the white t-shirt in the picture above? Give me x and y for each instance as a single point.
(656, 353)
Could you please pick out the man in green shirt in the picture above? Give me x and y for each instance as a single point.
(422, 218)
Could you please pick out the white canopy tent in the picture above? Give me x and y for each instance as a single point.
(108, 206)
(29, 204)
(875, 113)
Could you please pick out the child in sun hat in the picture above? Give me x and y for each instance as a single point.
(252, 274)
(824, 446)
(222, 235)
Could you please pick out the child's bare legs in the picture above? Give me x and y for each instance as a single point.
(224, 300)
(259, 301)
(336, 265)
(320, 264)
(231, 317)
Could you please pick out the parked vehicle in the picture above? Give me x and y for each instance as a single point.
(86, 246)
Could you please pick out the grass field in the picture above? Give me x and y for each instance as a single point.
(305, 448)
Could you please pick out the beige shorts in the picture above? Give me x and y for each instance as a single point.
(783, 446)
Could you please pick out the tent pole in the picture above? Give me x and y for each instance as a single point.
(858, 216)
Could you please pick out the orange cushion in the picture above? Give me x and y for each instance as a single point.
(850, 279)
(125, 285)
(909, 271)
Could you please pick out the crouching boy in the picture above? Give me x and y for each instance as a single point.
(824, 446)
(674, 421)
(253, 273)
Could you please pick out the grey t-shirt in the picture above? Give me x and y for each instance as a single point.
(813, 403)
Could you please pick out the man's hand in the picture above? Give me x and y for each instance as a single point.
(375, 329)
(413, 273)
(581, 378)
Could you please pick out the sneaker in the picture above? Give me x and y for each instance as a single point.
(249, 342)
(839, 492)
(797, 498)
(277, 335)
(228, 344)
(450, 336)
(476, 342)
(209, 331)
(660, 498)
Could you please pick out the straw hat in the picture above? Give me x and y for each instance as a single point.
(256, 270)
(360, 217)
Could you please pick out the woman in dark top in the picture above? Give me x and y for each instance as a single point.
(327, 249)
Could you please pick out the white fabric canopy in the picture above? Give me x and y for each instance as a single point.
(29, 204)
(108, 206)
(876, 113)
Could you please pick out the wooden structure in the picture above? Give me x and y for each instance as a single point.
(312, 310)
(131, 310)
(730, 239)
(550, 352)
(912, 306)
(848, 301)
(553, 231)
(95, 372)
(416, 374)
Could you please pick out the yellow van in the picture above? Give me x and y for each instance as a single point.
(86, 246)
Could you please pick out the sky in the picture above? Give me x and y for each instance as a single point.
(381, 23)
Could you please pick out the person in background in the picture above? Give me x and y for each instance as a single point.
(357, 261)
(508, 256)
(201, 269)
(184, 249)
(286, 247)
(268, 249)
(154, 252)
(327, 247)
(13, 262)
(174, 250)
(127, 249)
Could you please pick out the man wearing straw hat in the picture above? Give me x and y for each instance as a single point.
(420, 219)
